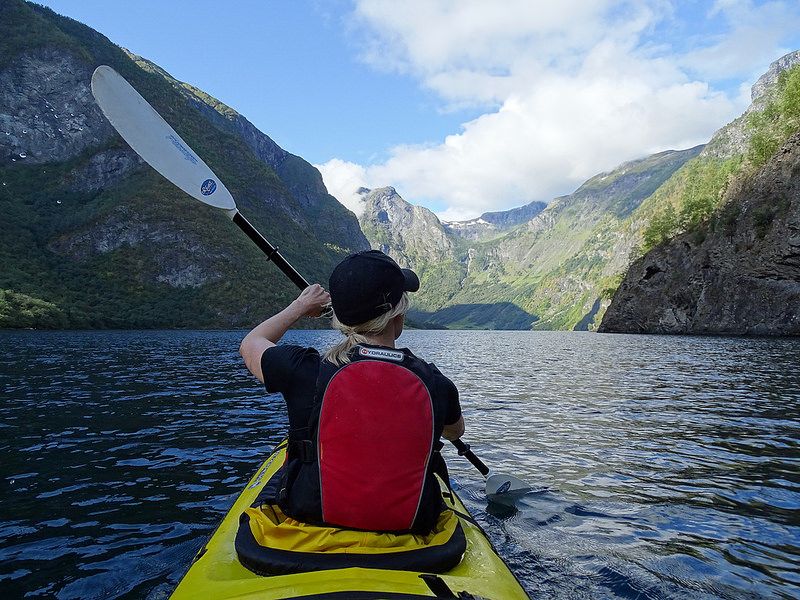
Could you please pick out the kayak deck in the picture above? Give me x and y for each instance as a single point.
(217, 573)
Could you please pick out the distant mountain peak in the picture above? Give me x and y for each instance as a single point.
(410, 234)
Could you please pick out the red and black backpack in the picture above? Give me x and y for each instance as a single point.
(368, 457)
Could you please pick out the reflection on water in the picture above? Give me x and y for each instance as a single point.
(663, 467)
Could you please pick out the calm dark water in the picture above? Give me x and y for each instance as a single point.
(666, 467)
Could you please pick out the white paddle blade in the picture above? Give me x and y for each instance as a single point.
(498, 484)
(154, 140)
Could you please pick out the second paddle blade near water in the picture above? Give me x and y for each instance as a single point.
(499, 484)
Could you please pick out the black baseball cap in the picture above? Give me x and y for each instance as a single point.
(367, 284)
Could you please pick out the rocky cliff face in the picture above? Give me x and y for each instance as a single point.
(733, 269)
(740, 276)
(412, 235)
(93, 237)
(764, 87)
(48, 113)
(734, 138)
(104, 169)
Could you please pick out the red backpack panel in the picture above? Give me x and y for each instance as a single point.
(374, 444)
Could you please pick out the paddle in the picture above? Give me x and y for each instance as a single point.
(496, 483)
(162, 148)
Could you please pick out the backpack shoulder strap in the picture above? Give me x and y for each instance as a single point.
(302, 442)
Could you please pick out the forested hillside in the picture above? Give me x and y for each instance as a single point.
(92, 237)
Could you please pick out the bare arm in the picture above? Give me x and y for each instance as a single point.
(310, 303)
(454, 431)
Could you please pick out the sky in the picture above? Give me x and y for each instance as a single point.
(464, 106)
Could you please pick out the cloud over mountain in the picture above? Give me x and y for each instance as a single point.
(564, 90)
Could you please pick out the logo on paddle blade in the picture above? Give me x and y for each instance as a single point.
(208, 187)
(504, 488)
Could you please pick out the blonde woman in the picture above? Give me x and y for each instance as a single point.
(364, 419)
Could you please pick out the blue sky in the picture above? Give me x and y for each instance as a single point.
(291, 67)
(464, 106)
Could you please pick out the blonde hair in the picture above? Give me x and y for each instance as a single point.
(357, 334)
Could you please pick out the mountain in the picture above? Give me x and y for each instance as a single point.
(733, 140)
(735, 268)
(330, 221)
(416, 239)
(413, 235)
(92, 237)
(560, 269)
(536, 274)
(491, 224)
(514, 216)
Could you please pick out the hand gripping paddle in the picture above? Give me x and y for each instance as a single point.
(162, 148)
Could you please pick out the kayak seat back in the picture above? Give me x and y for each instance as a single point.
(270, 543)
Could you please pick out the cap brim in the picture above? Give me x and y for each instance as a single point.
(412, 281)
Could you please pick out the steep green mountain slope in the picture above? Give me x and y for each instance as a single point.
(91, 237)
(529, 275)
(736, 150)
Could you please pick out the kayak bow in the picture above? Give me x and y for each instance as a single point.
(217, 573)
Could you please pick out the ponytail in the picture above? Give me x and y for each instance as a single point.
(357, 334)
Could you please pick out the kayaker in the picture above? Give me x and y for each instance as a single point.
(365, 419)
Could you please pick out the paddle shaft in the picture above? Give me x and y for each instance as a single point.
(270, 250)
(463, 450)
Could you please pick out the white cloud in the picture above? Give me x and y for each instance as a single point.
(473, 49)
(550, 139)
(569, 89)
(343, 179)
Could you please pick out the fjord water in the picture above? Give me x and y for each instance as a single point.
(665, 467)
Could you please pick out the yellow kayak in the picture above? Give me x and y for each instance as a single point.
(217, 572)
